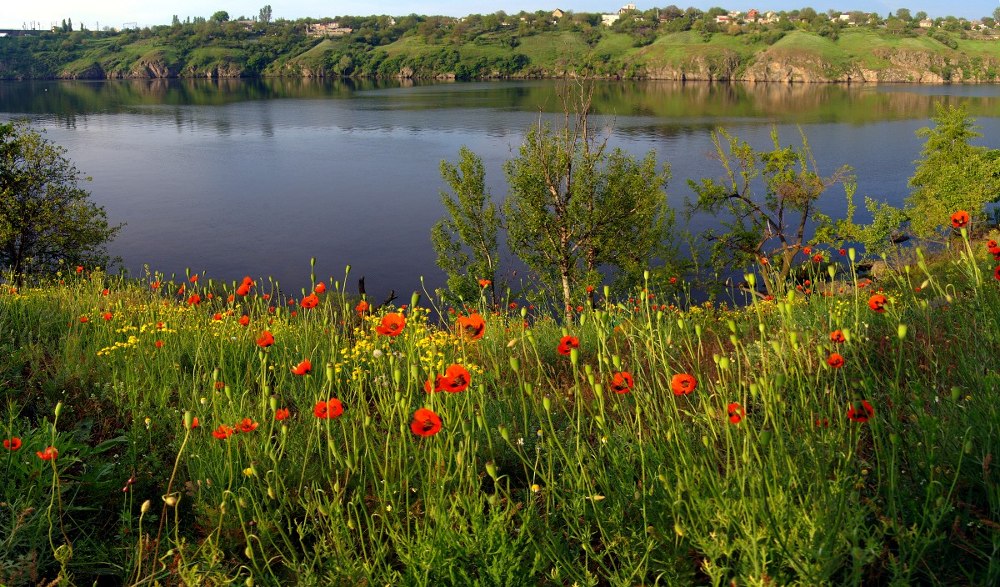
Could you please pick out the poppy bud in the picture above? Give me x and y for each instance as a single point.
(751, 279)
(145, 507)
(504, 433)
(547, 404)
(413, 301)
(491, 469)
(188, 419)
(850, 254)
(515, 364)
(901, 331)
(273, 403)
(574, 356)
(59, 407)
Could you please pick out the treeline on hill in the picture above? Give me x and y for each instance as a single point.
(538, 44)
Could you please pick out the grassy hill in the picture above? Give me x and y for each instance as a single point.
(853, 54)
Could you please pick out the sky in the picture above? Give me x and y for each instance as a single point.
(115, 13)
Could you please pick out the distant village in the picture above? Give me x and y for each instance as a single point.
(726, 21)
(728, 18)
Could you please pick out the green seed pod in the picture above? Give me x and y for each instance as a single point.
(515, 364)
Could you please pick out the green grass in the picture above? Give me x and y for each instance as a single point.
(541, 473)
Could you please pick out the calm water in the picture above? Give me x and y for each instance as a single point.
(235, 177)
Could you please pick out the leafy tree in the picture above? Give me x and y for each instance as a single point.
(771, 225)
(573, 207)
(466, 240)
(46, 218)
(996, 13)
(265, 14)
(220, 16)
(951, 174)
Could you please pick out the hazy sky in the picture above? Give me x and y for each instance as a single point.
(114, 13)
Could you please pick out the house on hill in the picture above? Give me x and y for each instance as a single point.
(557, 13)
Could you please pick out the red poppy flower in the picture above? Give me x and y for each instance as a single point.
(860, 413)
(193, 278)
(302, 368)
(281, 414)
(838, 337)
(107, 316)
(842, 252)
(817, 258)
(223, 432)
(154, 285)
(764, 261)
(456, 379)
(484, 283)
(807, 251)
(220, 385)
(195, 423)
(159, 344)
(434, 386)
(959, 219)
(361, 308)
(13, 443)
(266, 297)
(265, 340)
(996, 273)
(49, 454)
(217, 316)
(244, 320)
(243, 290)
(392, 324)
(736, 413)
(194, 300)
(590, 289)
(622, 382)
(84, 319)
(105, 292)
(683, 384)
(877, 302)
(673, 280)
(425, 423)
(180, 290)
(567, 344)
(320, 288)
(310, 301)
(246, 425)
(332, 408)
(835, 360)
(79, 269)
(472, 326)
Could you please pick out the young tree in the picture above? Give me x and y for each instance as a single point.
(951, 174)
(573, 207)
(466, 240)
(769, 226)
(46, 218)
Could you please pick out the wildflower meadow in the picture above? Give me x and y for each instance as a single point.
(184, 431)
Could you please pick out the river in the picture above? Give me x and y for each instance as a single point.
(236, 177)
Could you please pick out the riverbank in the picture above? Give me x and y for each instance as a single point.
(852, 55)
(212, 432)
